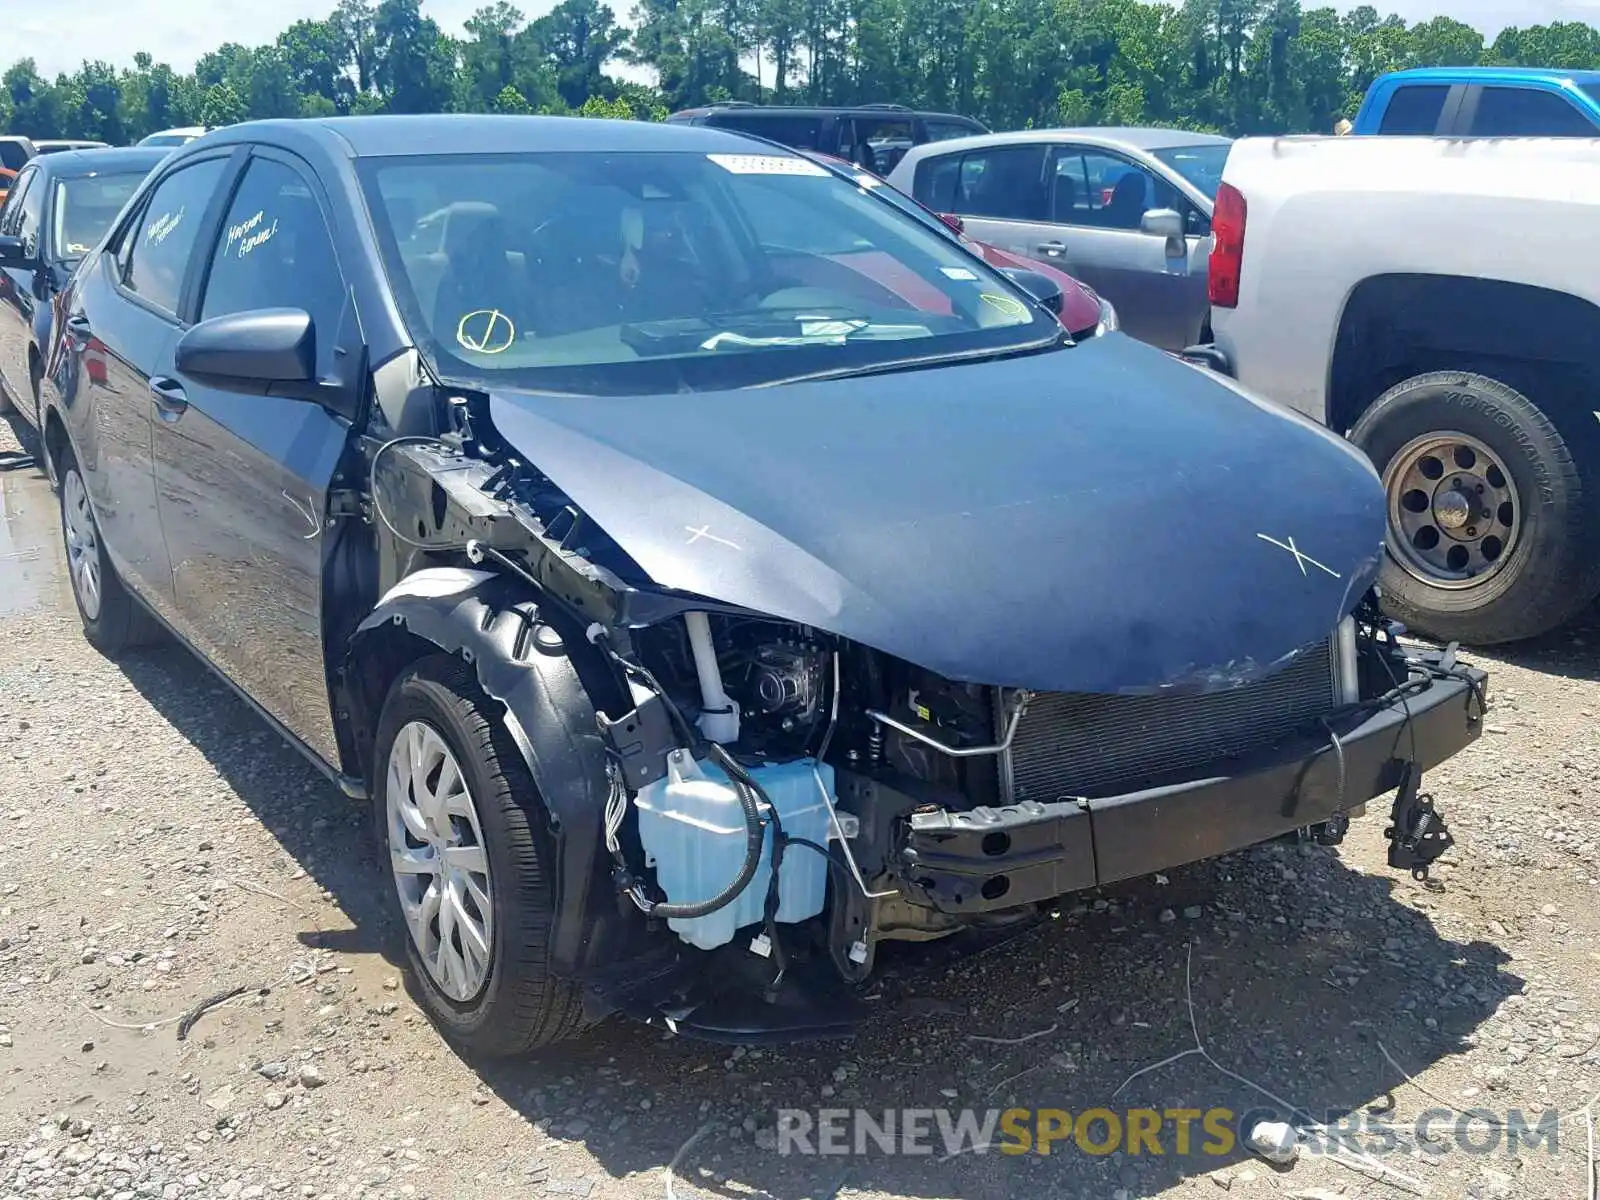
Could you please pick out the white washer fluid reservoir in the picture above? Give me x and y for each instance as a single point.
(694, 834)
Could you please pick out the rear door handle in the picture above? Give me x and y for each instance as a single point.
(1054, 248)
(79, 324)
(169, 397)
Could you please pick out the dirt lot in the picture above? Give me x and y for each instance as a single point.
(164, 846)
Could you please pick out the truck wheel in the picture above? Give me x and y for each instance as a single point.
(1493, 529)
(113, 622)
(462, 831)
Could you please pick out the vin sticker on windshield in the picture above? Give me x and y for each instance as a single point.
(767, 164)
(961, 273)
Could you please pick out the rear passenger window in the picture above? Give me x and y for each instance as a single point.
(802, 133)
(1006, 182)
(274, 251)
(158, 253)
(1414, 110)
(935, 182)
(1526, 112)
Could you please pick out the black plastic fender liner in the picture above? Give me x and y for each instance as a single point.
(547, 677)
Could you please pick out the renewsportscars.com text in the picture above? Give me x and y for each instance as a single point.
(1139, 1132)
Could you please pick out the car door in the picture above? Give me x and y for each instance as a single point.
(1000, 194)
(243, 479)
(123, 315)
(21, 283)
(1098, 201)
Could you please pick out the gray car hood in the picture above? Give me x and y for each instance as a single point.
(1102, 518)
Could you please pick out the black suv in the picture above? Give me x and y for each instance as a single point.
(873, 136)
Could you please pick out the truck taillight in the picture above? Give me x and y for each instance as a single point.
(1227, 247)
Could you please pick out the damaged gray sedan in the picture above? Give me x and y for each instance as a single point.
(710, 574)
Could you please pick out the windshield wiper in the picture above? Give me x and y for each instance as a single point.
(1060, 339)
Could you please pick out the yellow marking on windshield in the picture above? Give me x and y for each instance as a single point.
(486, 331)
(1004, 304)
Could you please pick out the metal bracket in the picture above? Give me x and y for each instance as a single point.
(1418, 835)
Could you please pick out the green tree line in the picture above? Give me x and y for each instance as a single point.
(1239, 66)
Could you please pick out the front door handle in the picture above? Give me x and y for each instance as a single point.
(1052, 248)
(79, 325)
(169, 397)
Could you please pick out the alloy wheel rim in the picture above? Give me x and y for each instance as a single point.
(441, 869)
(83, 545)
(1455, 515)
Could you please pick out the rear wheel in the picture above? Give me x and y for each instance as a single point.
(1494, 524)
(461, 827)
(113, 622)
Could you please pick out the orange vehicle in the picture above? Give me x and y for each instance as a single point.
(6, 176)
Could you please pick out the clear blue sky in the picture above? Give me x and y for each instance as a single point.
(59, 34)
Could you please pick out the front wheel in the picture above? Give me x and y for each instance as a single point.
(462, 831)
(1494, 524)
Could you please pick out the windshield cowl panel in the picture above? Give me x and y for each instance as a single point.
(649, 273)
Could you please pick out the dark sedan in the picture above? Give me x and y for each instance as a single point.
(58, 208)
(699, 614)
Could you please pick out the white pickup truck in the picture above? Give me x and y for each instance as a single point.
(1437, 300)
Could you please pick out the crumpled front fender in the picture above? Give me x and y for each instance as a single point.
(536, 664)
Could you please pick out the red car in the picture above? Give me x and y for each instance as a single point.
(1083, 313)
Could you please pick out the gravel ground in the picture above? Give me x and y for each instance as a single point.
(164, 846)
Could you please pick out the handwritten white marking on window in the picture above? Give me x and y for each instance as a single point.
(163, 226)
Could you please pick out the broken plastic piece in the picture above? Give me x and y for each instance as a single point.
(761, 944)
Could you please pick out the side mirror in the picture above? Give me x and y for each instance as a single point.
(1041, 287)
(1163, 223)
(954, 222)
(252, 351)
(11, 251)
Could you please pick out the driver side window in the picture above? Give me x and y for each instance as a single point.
(1097, 190)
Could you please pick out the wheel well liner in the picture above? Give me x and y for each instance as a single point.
(1397, 326)
(545, 676)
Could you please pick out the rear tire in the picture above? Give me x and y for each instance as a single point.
(436, 722)
(1528, 559)
(113, 621)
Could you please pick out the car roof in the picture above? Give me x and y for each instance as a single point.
(807, 110)
(71, 164)
(446, 134)
(1125, 136)
(1497, 74)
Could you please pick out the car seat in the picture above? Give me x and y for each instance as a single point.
(479, 272)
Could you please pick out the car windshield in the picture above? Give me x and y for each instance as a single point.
(640, 273)
(85, 208)
(1200, 165)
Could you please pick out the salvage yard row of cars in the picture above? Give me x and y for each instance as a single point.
(715, 560)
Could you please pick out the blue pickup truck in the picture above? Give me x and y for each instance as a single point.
(1483, 102)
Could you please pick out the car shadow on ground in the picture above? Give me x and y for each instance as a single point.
(1307, 977)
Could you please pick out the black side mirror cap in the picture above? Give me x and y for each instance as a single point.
(12, 252)
(252, 351)
(1041, 287)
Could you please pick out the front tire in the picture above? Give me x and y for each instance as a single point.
(113, 622)
(462, 832)
(1494, 525)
